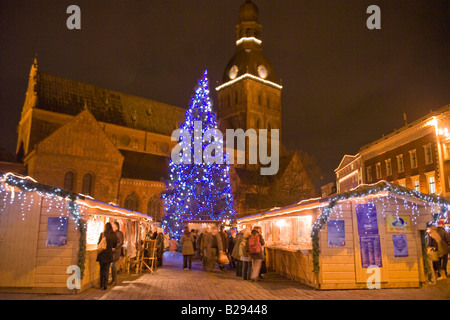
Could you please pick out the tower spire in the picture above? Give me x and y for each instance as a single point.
(248, 27)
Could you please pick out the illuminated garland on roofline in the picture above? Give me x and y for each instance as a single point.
(365, 191)
(28, 184)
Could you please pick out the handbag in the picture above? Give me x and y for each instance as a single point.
(434, 255)
(223, 258)
(102, 245)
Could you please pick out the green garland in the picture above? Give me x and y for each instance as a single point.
(81, 258)
(426, 266)
(82, 248)
(363, 191)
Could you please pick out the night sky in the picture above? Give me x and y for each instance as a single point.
(343, 85)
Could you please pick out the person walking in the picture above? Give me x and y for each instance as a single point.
(235, 254)
(245, 256)
(442, 238)
(224, 238)
(432, 255)
(206, 234)
(117, 251)
(194, 234)
(173, 246)
(231, 243)
(159, 247)
(105, 256)
(213, 246)
(255, 244)
(187, 248)
(263, 269)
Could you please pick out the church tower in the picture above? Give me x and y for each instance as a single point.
(249, 96)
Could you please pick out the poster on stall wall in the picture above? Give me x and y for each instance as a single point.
(370, 251)
(336, 233)
(400, 223)
(366, 216)
(400, 245)
(56, 231)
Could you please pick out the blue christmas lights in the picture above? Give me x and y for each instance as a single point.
(197, 190)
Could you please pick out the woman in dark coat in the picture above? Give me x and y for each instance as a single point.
(106, 256)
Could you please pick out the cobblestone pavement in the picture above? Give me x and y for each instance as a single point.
(171, 282)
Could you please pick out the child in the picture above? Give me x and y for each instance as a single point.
(173, 245)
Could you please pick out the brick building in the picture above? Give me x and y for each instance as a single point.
(112, 146)
(415, 156)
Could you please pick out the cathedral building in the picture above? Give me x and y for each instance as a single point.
(109, 145)
(116, 147)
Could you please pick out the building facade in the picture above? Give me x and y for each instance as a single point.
(106, 144)
(348, 173)
(415, 156)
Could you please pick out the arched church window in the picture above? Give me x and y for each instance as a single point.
(236, 97)
(69, 181)
(88, 180)
(131, 202)
(154, 207)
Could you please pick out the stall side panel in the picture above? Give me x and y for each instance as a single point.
(402, 244)
(19, 222)
(52, 261)
(337, 262)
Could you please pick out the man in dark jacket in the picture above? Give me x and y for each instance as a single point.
(213, 245)
(117, 252)
(159, 247)
(443, 249)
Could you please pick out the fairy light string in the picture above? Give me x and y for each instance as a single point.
(383, 192)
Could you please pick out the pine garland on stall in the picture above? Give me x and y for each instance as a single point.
(363, 191)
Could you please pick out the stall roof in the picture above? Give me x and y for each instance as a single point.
(28, 184)
(366, 190)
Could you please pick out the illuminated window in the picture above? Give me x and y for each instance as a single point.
(447, 150)
(416, 185)
(431, 185)
(388, 167)
(378, 170)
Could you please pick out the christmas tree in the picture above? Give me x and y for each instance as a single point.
(199, 186)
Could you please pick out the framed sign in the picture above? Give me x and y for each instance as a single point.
(401, 223)
(400, 245)
(370, 251)
(336, 233)
(366, 217)
(57, 231)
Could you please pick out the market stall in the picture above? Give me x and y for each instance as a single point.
(48, 237)
(372, 236)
